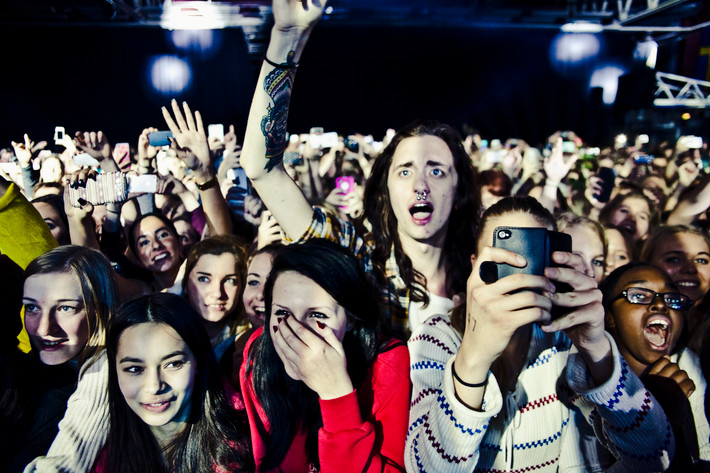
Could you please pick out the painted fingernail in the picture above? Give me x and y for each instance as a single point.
(286, 316)
(81, 201)
(279, 320)
(275, 328)
(320, 324)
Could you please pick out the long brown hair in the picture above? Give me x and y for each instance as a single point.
(462, 223)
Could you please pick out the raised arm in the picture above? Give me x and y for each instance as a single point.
(191, 142)
(265, 139)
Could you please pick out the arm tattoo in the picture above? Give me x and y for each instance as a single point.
(278, 85)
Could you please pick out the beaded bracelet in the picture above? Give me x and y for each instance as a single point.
(468, 385)
(292, 65)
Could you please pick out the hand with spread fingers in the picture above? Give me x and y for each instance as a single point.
(96, 144)
(313, 354)
(191, 140)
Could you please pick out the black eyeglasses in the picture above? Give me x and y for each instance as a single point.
(643, 296)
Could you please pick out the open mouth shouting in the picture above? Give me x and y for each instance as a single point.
(657, 332)
(421, 212)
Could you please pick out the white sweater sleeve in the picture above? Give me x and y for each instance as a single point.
(626, 418)
(84, 428)
(444, 434)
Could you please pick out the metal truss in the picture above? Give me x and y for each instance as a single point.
(674, 90)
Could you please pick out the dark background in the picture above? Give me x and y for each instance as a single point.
(351, 79)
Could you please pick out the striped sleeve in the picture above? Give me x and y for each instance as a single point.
(626, 418)
(443, 433)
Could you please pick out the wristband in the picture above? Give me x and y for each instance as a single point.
(290, 65)
(468, 385)
(207, 184)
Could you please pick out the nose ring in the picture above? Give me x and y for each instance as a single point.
(421, 195)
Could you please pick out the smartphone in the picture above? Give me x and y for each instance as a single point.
(85, 159)
(495, 157)
(58, 134)
(108, 187)
(159, 138)
(240, 180)
(324, 140)
(536, 245)
(216, 131)
(608, 177)
(643, 159)
(351, 145)
(569, 147)
(694, 142)
(346, 184)
(294, 158)
(143, 184)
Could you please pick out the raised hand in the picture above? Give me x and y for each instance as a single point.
(312, 355)
(96, 144)
(146, 152)
(189, 136)
(665, 368)
(269, 231)
(27, 150)
(495, 311)
(297, 14)
(555, 165)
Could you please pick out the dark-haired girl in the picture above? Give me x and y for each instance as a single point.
(168, 412)
(324, 388)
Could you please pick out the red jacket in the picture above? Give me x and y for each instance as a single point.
(363, 431)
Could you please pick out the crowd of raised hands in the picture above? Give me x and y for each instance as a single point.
(323, 300)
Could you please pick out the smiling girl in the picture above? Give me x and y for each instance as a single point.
(168, 412)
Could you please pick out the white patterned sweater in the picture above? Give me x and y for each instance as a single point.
(544, 426)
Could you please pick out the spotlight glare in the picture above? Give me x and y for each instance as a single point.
(608, 79)
(170, 75)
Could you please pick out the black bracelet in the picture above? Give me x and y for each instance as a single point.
(291, 65)
(468, 385)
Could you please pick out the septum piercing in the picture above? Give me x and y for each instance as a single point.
(421, 195)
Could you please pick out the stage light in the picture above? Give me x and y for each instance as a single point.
(647, 52)
(582, 27)
(607, 78)
(170, 75)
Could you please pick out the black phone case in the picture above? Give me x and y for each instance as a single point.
(530, 243)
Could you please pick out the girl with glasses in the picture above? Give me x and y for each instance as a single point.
(645, 315)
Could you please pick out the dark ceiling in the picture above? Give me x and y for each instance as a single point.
(525, 13)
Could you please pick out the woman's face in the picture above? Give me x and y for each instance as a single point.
(633, 214)
(422, 164)
(297, 296)
(685, 257)
(253, 297)
(213, 286)
(617, 253)
(644, 333)
(56, 225)
(156, 372)
(157, 246)
(55, 316)
(587, 244)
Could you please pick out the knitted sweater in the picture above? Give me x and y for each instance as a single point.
(83, 430)
(545, 425)
(362, 431)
